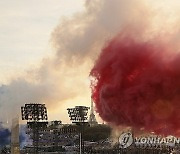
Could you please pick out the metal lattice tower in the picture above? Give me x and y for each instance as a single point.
(92, 118)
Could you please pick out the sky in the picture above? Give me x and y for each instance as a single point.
(26, 28)
(48, 47)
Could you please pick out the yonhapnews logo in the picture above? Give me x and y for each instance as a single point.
(126, 139)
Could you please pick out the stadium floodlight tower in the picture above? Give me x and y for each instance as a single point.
(78, 115)
(36, 116)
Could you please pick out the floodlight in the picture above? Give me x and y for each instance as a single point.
(36, 115)
(78, 115)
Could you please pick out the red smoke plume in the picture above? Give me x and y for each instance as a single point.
(137, 84)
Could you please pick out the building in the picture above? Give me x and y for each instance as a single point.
(15, 147)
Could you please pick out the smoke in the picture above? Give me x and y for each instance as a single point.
(137, 84)
(4, 136)
(81, 37)
(24, 137)
(77, 42)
